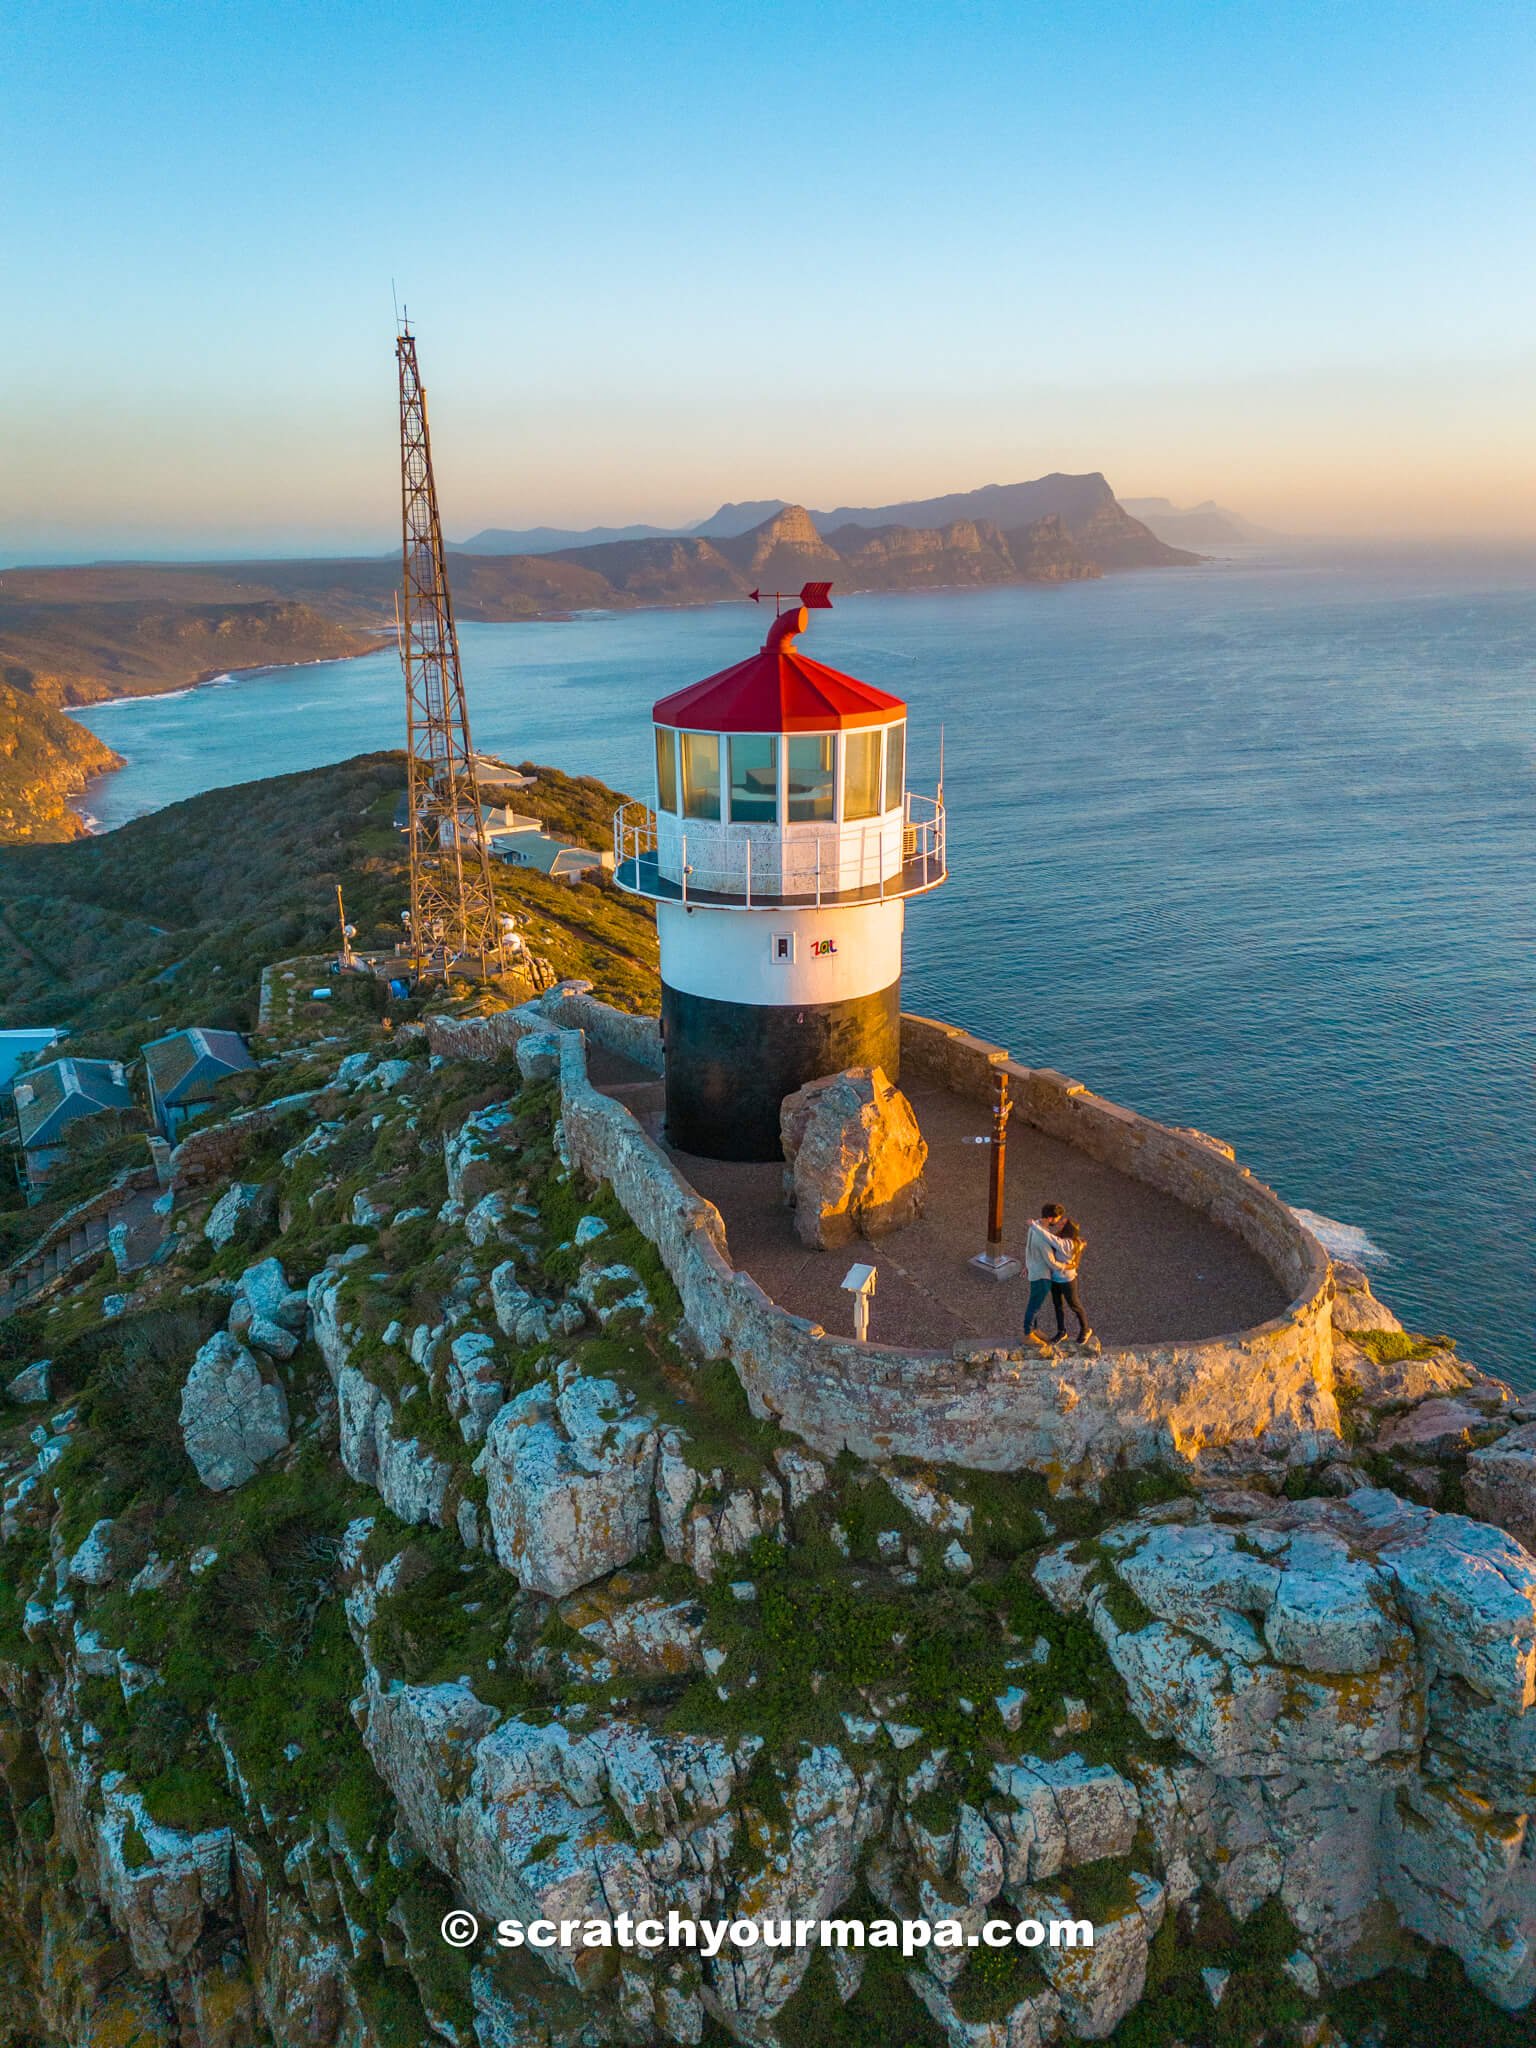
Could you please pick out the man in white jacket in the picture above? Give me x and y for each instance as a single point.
(1047, 1257)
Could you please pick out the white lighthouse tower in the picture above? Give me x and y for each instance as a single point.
(780, 855)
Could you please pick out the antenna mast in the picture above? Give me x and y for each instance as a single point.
(453, 902)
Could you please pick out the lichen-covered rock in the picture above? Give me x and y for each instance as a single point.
(1053, 1814)
(1470, 1592)
(529, 1318)
(243, 1206)
(854, 1158)
(263, 1291)
(642, 1637)
(929, 1504)
(1432, 1431)
(704, 1521)
(1501, 1484)
(31, 1383)
(1210, 1830)
(92, 1563)
(1263, 1649)
(1460, 1874)
(159, 1884)
(472, 1157)
(1478, 1744)
(569, 1472)
(804, 1866)
(803, 1476)
(1099, 1983)
(232, 1418)
(487, 1220)
(476, 1386)
(1355, 1307)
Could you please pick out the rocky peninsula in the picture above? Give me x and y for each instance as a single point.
(73, 636)
(415, 1526)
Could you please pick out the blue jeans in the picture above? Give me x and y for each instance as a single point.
(1038, 1290)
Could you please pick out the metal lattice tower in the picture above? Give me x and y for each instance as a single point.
(453, 903)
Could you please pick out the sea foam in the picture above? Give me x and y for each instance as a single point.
(1342, 1240)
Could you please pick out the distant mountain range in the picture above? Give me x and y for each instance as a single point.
(76, 635)
(1006, 506)
(1057, 529)
(1195, 526)
(545, 540)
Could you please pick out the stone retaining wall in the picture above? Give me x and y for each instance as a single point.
(632, 1037)
(215, 1152)
(1266, 1392)
(1196, 1170)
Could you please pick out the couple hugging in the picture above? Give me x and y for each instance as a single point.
(1053, 1251)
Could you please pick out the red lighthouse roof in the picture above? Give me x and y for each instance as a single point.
(778, 689)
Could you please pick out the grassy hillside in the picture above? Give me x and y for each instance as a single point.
(77, 653)
(168, 920)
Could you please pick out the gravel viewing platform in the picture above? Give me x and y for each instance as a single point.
(1155, 1270)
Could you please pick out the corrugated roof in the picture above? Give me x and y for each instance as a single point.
(778, 689)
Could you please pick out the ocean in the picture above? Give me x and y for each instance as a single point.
(1251, 847)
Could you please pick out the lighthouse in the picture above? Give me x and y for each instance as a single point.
(780, 854)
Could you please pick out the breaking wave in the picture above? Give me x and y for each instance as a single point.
(1342, 1240)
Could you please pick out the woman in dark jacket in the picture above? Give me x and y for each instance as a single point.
(1064, 1293)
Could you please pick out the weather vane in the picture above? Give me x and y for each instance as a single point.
(816, 597)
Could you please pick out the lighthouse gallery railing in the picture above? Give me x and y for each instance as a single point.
(850, 865)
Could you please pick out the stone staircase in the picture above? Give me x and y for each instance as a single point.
(74, 1244)
(65, 1253)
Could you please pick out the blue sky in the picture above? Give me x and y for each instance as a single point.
(660, 256)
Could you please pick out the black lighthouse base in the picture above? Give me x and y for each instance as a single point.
(730, 1065)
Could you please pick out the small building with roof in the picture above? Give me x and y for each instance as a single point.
(522, 842)
(185, 1068)
(49, 1099)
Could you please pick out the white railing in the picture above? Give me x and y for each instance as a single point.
(885, 857)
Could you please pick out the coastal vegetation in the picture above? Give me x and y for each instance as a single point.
(168, 921)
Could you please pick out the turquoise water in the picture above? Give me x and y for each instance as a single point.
(1252, 847)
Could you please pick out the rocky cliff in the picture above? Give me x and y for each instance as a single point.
(45, 760)
(60, 644)
(383, 1544)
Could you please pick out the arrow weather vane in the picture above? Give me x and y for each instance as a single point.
(816, 597)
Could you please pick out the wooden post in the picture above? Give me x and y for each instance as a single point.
(994, 1260)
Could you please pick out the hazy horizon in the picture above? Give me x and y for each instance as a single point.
(658, 262)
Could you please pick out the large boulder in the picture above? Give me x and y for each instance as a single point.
(1501, 1484)
(92, 1563)
(31, 1383)
(853, 1158)
(232, 1418)
(570, 1471)
(266, 1312)
(244, 1209)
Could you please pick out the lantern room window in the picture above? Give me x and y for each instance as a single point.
(812, 780)
(666, 768)
(701, 775)
(895, 766)
(754, 779)
(862, 788)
